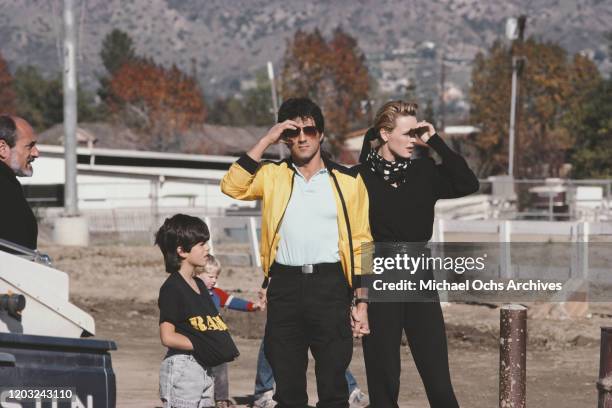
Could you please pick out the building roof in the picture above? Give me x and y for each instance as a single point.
(209, 139)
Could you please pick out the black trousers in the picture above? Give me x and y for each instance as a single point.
(423, 323)
(309, 311)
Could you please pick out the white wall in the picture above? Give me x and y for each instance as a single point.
(128, 191)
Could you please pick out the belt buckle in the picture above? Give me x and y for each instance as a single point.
(309, 268)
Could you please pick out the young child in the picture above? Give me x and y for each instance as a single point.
(189, 323)
(209, 274)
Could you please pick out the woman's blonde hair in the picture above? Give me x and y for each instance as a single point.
(390, 111)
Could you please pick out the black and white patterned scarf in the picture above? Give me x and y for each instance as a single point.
(395, 172)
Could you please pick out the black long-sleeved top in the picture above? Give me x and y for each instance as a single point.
(406, 213)
(17, 221)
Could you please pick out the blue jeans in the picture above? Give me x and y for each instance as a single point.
(184, 383)
(264, 378)
(352, 382)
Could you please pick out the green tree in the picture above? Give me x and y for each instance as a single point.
(592, 153)
(228, 112)
(258, 102)
(7, 91)
(41, 101)
(253, 108)
(117, 49)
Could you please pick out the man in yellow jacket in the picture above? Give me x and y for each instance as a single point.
(314, 220)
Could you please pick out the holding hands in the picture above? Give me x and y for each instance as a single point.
(359, 320)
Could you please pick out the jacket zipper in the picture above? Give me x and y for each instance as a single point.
(280, 220)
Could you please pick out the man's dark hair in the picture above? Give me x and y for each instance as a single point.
(8, 130)
(182, 231)
(302, 108)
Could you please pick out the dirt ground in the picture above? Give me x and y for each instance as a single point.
(118, 285)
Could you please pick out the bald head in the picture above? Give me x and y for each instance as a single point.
(17, 145)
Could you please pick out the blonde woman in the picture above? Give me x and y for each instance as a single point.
(403, 185)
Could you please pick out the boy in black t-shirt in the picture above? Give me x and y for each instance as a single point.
(189, 323)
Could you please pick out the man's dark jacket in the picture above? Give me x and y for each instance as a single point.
(17, 221)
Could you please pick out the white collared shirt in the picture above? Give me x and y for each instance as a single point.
(309, 228)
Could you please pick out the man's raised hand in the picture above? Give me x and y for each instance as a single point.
(275, 133)
(272, 137)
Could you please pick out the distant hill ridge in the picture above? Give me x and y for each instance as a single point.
(226, 41)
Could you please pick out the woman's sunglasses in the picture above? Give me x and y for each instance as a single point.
(310, 131)
(417, 132)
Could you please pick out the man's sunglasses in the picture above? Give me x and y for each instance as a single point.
(310, 131)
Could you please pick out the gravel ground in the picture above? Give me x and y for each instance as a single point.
(118, 285)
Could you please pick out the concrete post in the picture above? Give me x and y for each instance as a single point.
(604, 385)
(512, 356)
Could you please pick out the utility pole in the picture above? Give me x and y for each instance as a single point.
(273, 89)
(512, 116)
(70, 228)
(281, 153)
(70, 110)
(515, 28)
(442, 103)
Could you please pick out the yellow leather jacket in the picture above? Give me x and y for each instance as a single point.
(272, 182)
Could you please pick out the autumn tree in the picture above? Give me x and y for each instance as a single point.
(549, 89)
(7, 92)
(489, 106)
(331, 72)
(161, 103)
(544, 99)
(305, 65)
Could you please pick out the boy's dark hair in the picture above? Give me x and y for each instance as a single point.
(302, 108)
(182, 231)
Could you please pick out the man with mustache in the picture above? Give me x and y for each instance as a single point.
(17, 152)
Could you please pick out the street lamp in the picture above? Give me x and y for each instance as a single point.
(515, 27)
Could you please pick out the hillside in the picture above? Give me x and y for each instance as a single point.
(226, 42)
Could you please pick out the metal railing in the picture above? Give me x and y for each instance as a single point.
(550, 199)
(30, 254)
